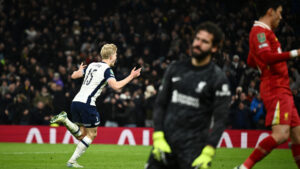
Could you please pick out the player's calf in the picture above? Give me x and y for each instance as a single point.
(295, 137)
(80, 149)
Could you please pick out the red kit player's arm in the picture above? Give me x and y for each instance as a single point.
(250, 61)
(269, 57)
(262, 46)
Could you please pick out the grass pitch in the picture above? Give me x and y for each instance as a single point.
(48, 156)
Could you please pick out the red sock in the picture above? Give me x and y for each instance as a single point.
(263, 149)
(296, 153)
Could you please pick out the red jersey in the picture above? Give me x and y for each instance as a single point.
(266, 55)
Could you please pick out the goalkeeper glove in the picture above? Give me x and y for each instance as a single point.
(204, 160)
(160, 146)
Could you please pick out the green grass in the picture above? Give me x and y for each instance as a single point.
(47, 156)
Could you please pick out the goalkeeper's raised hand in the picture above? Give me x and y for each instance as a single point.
(160, 146)
(204, 160)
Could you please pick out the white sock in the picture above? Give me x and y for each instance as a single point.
(80, 149)
(243, 167)
(72, 127)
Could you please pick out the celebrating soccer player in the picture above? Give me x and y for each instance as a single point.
(191, 107)
(266, 55)
(85, 117)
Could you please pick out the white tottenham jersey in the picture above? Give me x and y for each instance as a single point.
(95, 78)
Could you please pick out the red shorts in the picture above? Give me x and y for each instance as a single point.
(281, 110)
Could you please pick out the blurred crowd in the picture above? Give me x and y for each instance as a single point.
(42, 42)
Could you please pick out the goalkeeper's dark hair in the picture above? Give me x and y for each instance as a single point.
(213, 29)
(262, 6)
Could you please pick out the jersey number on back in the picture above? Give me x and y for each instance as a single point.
(89, 77)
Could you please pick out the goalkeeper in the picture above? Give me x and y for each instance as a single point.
(191, 107)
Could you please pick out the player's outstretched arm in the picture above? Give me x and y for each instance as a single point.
(272, 58)
(78, 73)
(116, 85)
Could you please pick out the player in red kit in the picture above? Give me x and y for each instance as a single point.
(266, 55)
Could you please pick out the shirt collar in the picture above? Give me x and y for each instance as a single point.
(261, 24)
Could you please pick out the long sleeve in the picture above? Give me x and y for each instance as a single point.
(220, 110)
(162, 100)
(269, 57)
(267, 50)
(250, 61)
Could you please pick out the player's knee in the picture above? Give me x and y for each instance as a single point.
(81, 136)
(281, 133)
(92, 135)
(83, 133)
(295, 139)
(295, 135)
(281, 137)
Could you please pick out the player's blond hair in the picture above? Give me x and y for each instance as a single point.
(107, 50)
